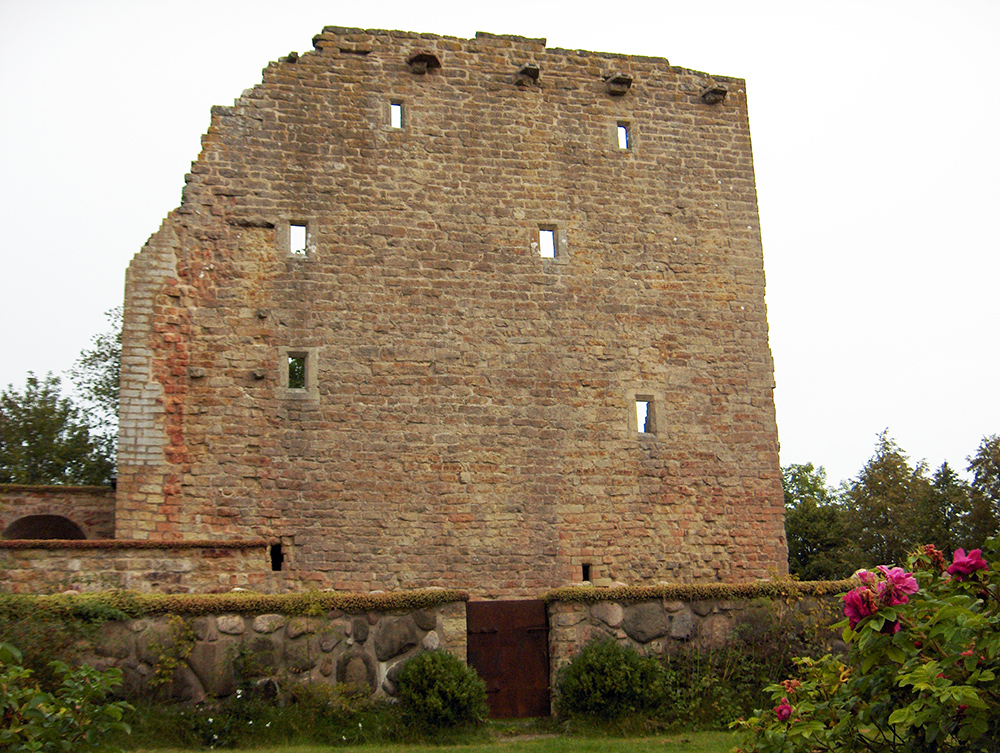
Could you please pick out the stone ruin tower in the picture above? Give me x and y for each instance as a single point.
(464, 313)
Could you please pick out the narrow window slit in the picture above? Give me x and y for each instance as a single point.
(277, 558)
(547, 243)
(644, 415)
(296, 372)
(586, 571)
(298, 238)
(395, 114)
(623, 136)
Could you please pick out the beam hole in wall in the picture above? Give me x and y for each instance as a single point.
(277, 558)
(547, 242)
(644, 414)
(395, 114)
(298, 238)
(624, 141)
(296, 372)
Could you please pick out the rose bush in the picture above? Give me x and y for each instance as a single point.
(922, 671)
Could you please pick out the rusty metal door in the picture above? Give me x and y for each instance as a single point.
(509, 648)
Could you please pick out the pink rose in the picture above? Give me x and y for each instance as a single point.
(858, 604)
(893, 591)
(964, 565)
(783, 711)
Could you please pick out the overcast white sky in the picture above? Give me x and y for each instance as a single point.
(874, 127)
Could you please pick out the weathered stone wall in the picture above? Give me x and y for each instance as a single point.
(468, 417)
(364, 649)
(660, 626)
(190, 567)
(91, 508)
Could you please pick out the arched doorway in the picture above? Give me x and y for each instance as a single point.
(43, 527)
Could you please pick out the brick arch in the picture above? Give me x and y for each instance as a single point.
(43, 527)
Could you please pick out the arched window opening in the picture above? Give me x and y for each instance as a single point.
(43, 527)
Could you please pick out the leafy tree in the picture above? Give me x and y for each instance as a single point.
(887, 499)
(983, 519)
(942, 518)
(45, 438)
(816, 526)
(97, 373)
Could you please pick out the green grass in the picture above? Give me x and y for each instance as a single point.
(688, 742)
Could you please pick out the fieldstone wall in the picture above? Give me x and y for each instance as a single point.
(659, 626)
(208, 656)
(91, 508)
(468, 410)
(188, 567)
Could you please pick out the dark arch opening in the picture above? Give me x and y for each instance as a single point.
(43, 527)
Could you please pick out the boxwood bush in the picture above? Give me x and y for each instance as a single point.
(609, 681)
(436, 690)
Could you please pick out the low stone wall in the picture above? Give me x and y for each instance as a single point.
(199, 647)
(91, 508)
(167, 567)
(659, 620)
(274, 650)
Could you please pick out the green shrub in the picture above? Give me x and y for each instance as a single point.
(74, 717)
(609, 681)
(436, 690)
(707, 688)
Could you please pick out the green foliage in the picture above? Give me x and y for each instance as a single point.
(884, 503)
(308, 714)
(75, 716)
(983, 518)
(895, 507)
(175, 653)
(45, 438)
(436, 691)
(922, 672)
(890, 508)
(97, 373)
(943, 516)
(816, 526)
(710, 687)
(49, 628)
(609, 681)
(693, 686)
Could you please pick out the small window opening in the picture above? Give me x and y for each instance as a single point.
(644, 415)
(585, 575)
(296, 372)
(277, 558)
(396, 114)
(623, 136)
(547, 243)
(297, 238)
